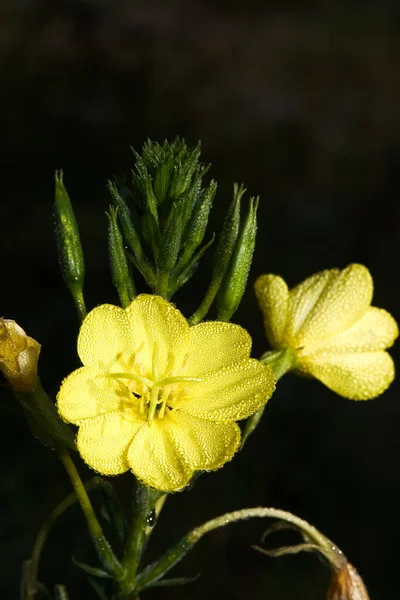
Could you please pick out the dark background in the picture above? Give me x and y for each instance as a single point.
(300, 104)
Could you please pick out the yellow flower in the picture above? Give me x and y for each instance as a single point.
(158, 397)
(338, 337)
(19, 355)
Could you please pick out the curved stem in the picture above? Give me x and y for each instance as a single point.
(261, 512)
(56, 514)
(281, 361)
(160, 567)
(102, 546)
(205, 306)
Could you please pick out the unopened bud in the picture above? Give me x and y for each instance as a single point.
(347, 585)
(69, 247)
(234, 283)
(19, 355)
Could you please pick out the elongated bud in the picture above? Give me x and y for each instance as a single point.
(235, 279)
(120, 274)
(196, 228)
(144, 182)
(186, 163)
(69, 247)
(229, 234)
(347, 585)
(19, 355)
(124, 216)
(171, 239)
(223, 253)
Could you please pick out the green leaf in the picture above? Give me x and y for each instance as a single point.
(172, 582)
(93, 571)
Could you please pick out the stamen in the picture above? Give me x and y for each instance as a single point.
(154, 401)
(156, 360)
(139, 378)
(178, 379)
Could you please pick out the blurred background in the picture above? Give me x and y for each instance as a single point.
(301, 104)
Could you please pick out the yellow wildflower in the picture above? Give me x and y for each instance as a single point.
(19, 355)
(338, 337)
(158, 397)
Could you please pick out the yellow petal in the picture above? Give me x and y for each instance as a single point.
(358, 375)
(214, 344)
(203, 444)
(232, 393)
(155, 459)
(162, 333)
(376, 330)
(103, 442)
(341, 303)
(303, 298)
(273, 297)
(106, 340)
(85, 394)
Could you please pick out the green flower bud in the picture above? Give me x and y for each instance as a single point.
(120, 274)
(143, 180)
(170, 246)
(186, 165)
(196, 227)
(172, 213)
(223, 253)
(69, 247)
(234, 283)
(131, 235)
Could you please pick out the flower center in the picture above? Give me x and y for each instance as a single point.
(157, 395)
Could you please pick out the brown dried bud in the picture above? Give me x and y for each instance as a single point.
(347, 585)
(19, 355)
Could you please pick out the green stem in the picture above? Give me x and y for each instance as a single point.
(160, 567)
(103, 548)
(161, 287)
(206, 303)
(45, 530)
(80, 304)
(281, 361)
(147, 504)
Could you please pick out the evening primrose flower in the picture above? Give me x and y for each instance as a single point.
(19, 355)
(158, 397)
(337, 336)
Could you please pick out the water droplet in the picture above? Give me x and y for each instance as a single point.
(151, 518)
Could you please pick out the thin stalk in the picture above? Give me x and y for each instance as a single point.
(102, 546)
(147, 504)
(45, 530)
(80, 305)
(281, 361)
(160, 567)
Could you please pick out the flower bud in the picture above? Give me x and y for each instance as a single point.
(69, 247)
(223, 253)
(19, 356)
(347, 585)
(234, 283)
(120, 274)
